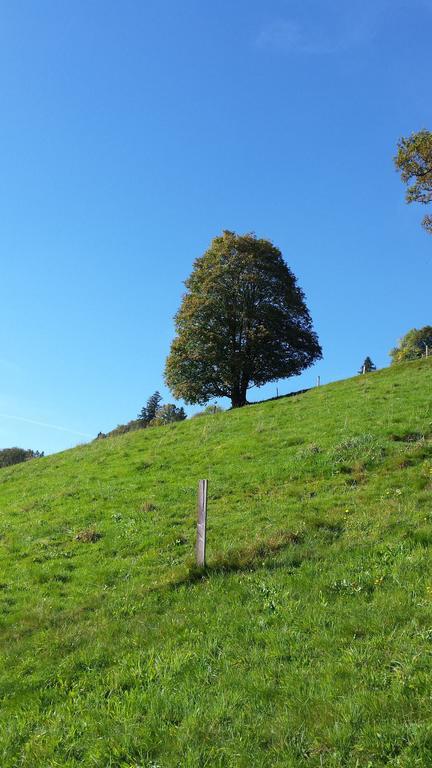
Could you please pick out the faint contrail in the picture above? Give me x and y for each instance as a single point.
(43, 424)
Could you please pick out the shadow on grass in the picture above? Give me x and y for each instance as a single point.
(249, 558)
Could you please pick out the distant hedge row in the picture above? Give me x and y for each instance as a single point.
(9, 456)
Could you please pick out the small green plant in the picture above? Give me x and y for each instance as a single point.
(88, 536)
(148, 506)
(365, 448)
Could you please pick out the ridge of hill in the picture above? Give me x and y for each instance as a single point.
(305, 642)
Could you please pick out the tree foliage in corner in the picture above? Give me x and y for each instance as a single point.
(414, 161)
(243, 322)
(413, 345)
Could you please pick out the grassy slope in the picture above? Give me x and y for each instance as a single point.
(308, 642)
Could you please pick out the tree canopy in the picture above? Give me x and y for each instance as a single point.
(243, 322)
(416, 343)
(414, 161)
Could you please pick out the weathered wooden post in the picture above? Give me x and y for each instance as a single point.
(202, 523)
(318, 381)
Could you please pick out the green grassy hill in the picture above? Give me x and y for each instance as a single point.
(307, 641)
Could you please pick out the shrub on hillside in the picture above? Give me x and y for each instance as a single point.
(209, 410)
(416, 343)
(167, 414)
(9, 456)
(121, 429)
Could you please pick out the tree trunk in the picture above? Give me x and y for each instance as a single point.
(238, 397)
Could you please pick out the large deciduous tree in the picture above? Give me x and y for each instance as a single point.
(243, 322)
(414, 161)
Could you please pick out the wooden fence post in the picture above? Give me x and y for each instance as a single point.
(202, 523)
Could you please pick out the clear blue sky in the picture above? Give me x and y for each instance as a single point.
(133, 132)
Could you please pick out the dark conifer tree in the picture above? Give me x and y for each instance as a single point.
(149, 411)
(368, 366)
